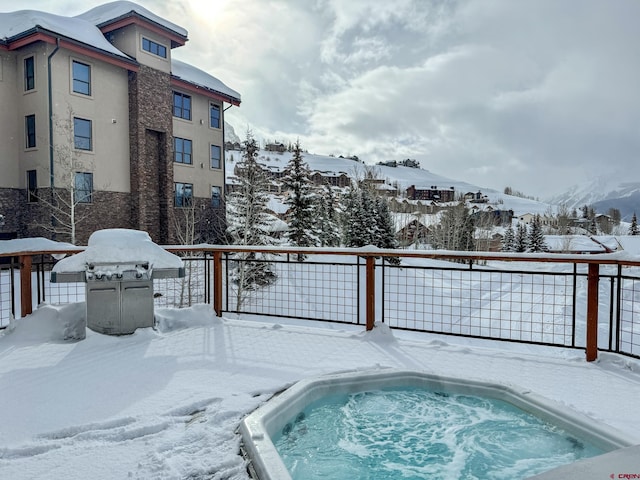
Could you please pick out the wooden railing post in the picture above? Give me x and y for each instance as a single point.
(593, 279)
(217, 283)
(371, 292)
(26, 297)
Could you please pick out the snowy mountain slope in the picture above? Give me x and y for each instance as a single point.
(404, 177)
(604, 192)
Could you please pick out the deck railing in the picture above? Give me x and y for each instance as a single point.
(590, 302)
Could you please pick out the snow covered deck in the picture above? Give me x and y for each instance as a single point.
(167, 403)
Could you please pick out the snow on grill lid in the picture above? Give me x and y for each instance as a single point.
(119, 246)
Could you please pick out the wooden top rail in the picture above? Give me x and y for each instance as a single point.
(617, 258)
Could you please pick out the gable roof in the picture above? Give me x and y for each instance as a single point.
(113, 15)
(22, 27)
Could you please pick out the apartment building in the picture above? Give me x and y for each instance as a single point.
(102, 128)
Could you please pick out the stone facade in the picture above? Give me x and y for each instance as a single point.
(107, 210)
(12, 203)
(151, 150)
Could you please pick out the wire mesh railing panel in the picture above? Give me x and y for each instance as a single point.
(53, 293)
(62, 293)
(314, 289)
(192, 289)
(503, 305)
(6, 293)
(629, 324)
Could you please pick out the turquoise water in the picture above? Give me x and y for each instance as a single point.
(417, 434)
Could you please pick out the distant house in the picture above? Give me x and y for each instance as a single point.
(388, 163)
(333, 179)
(409, 162)
(476, 197)
(412, 232)
(491, 216)
(490, 243)
(232, 146)
(605, 222)
(431, 193)
(381, 186)
(275, 147)
(526, 218)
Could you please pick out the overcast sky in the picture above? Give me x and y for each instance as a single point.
(532, 94)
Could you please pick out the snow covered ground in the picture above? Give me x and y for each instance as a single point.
(165, 403)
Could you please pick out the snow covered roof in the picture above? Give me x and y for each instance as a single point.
(15, 25)
(194, 75)
(579, 243)
(113, 11)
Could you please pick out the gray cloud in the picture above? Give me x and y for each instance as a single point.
(535, 94)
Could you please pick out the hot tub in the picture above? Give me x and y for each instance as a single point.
(278, 415)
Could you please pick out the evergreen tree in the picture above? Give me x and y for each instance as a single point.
(303, 231)
(249, 223)
(386, 237)
(633, 229)
(521, 241)
(367, 219)
(536, 242)
(356, 233)
(509, 240)
(328, 222)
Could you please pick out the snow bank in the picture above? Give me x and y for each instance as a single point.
(52, 324)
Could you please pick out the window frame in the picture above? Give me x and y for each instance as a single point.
(179, 110)
(30, 141)
(216, 203)
(29, 77)
(215, 108)
(149, 46)
(32, 186)
(211, 158)
(80, 81)
(87, 180)
(186, 200)
(182, 152)
(76, 137)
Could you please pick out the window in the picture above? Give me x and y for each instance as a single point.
(30, 131)
(29, 74)
(32, 186)
(83, 187)
(81, 78)
(181, 105)
(183, 194)
(82, 134)
(214, 115)
(182, 149)
(215, 156)
(216, 197)
(153, 47)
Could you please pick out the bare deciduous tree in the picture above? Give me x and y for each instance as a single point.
(72, 185)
